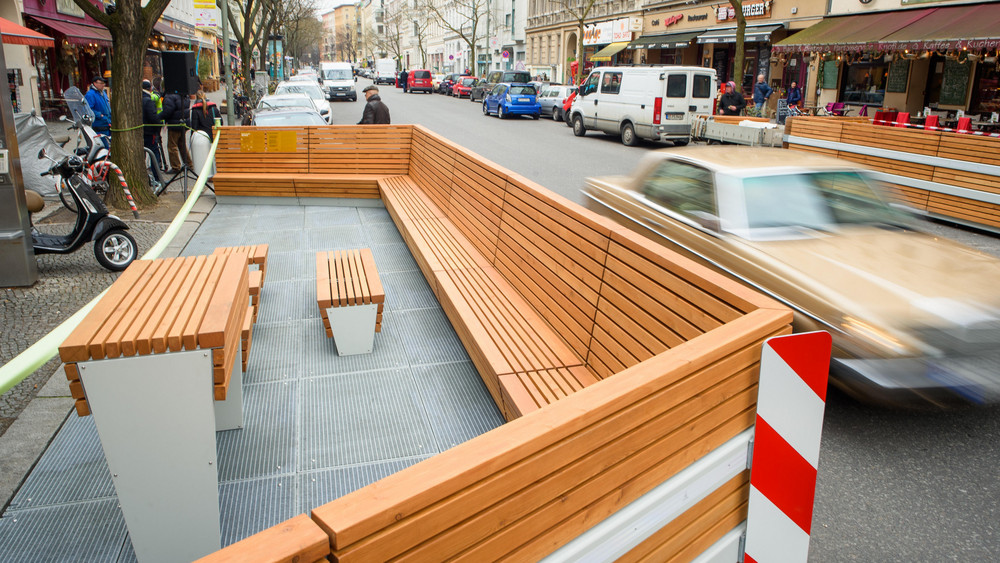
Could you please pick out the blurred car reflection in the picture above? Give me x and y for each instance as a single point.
(915, 319)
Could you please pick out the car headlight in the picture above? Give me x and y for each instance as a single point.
(873, 335)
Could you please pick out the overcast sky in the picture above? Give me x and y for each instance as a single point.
(327, 5)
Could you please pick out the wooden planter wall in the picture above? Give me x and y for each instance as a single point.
(952, 176)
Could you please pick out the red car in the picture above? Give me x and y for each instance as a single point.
(420, 81)
(463, 86)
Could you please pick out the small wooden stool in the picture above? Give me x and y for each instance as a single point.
(350, 298)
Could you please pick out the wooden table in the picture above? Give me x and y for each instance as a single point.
(350, 298)
(156, 362)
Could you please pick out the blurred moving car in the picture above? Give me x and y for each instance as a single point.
(420, 80)
(287, 116)
(915, 319)
(310, 89)
(512, 99)
(551, 98)
(463, 86)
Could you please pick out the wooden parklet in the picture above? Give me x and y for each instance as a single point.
(350, 298)
(156, 362)
(256, 260)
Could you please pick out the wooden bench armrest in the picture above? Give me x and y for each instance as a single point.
(297, 540)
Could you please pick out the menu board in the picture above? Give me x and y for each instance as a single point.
(955, 83)
(831, 71)
(899, 74)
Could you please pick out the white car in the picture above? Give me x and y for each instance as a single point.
(277, 101)
(310, 89)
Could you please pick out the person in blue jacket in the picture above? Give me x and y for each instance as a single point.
(761, 92)
(97, 99)
(794, 95)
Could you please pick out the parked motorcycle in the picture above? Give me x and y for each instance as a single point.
(114, 248)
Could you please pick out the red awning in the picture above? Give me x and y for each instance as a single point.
(78, 34)
(14, 34)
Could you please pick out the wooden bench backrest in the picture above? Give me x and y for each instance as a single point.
(263, 150)
(356, 149)
(541, 480)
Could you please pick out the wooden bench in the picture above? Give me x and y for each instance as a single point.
(297, 540)
(256, 259)
(155, 363)
(350, 298)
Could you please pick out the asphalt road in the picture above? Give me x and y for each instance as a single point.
(892, 486)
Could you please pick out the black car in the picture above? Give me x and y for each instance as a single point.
(447, 82)
(496, 77)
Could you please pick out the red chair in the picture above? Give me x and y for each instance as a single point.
(964, 125)
(879, 118)
(902, 119)
(931, 124)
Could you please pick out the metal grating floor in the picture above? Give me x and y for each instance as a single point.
(316, 425)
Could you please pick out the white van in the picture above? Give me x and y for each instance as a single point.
(649, 102)
(385, 71)
(338, 81)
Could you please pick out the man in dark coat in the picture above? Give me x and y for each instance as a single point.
(175, 114)
(404, 77)
(375, 110)
(151, 125)
(732, 102)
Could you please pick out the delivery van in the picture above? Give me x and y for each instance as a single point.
(338, 81)
(657, 103)
(385, 71)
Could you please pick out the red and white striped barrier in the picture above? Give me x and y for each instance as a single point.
(793, 375)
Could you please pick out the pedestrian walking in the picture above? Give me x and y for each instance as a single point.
(375, 112)
(97, 99)
(403, 78)
(175, 111)
(761, 92)
(794, 95)
(151, 124)
(732, 102)
(203, 114)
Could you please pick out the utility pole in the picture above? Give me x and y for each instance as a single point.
(489, 45)
(230, 118)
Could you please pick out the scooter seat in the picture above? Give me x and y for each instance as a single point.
(35, 201)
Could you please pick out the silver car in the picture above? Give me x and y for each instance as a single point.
(310, 89)
(551, 98)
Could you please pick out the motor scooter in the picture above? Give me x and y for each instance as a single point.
(114, 248)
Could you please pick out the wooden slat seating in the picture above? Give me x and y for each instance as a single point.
(345, 278)
(296, 540)
(255, 256)
(165, 305)
(255, 161)
(347, 161)
(548, 299)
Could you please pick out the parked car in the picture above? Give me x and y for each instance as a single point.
(420, 80)
(509, 76)
(310, 89)
(278, 101)
(463, 86)
(478, 90)
(915, 319)
(287, 116)
(385, 71)
(448, 82)
(551, 98)
(512, 99)
(657, 103)
(436, 81)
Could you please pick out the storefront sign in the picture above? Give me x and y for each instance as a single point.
(607, 32)
(751, 10)
(621, 30)
(697, 17)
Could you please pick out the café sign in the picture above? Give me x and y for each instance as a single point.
(607, 32)
(751, 10)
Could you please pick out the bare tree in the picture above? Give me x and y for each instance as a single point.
(299, 25)
(394, 18)
(258, 20)
(130, 26)
(345, 44)
(462, 18)
(421, 25)
(579, 11)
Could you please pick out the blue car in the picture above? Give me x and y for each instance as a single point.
(512, 99)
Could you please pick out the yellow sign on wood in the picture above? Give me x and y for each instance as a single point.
(281, 141)
(252, 141)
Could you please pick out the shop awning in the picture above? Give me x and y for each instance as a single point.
(78, 34)
(174, 35)
(605, 54)
(975, 27)
(665, 41)
(16, 34)
(752, 34)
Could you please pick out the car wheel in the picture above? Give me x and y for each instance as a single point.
(500, 113)
(568, 119)
(680, 143)
(628, 135)
(555, 115)
(486, 110)
(578, 129)
(534, 116)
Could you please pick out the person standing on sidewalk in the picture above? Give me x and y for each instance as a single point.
(761, 92)
(175, 111)
(403, 78)
(97, 99)
(375, 111)
(151, 125)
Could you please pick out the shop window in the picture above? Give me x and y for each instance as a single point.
(986, 90)
(677, 86)
(864, 83)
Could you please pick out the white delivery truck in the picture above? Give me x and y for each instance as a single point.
(651, 102)
(338, 81)
(385, 71)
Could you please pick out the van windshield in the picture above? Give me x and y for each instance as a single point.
(337, 74)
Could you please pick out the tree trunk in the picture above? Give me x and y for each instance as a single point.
(579, 55)
(741, 26)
